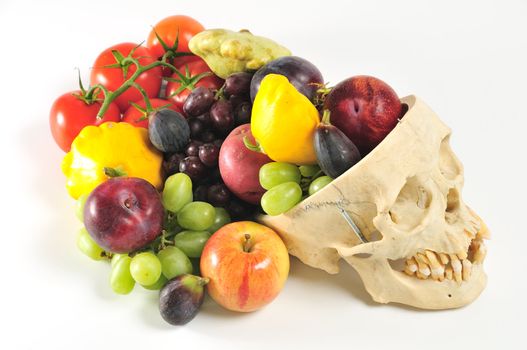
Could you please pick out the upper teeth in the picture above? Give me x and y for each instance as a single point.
(439, 266)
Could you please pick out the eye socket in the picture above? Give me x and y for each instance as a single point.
(411, 206)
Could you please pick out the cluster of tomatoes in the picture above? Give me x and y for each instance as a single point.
(160, 86)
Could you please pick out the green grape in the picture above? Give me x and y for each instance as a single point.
(158, 285)
(121, 279)
(318, 184)
(221, 219)
(79, 206)
(309, 170)
(177, 192)
(88, 246)
(145, 268)
(174, 262)
(191, 242)
(281, 198)
(276, 173)
(196, 216)
(116, 258)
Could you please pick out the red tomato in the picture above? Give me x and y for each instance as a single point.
(194, 68)
(139, 118)
(70, 114)
(113, 78)
(168, 28)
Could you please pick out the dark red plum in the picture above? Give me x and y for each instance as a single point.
(303, 74)
(124, 214)
(365, 109)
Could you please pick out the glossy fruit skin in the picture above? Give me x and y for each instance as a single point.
(177, 192)
(196, 216)
(168, 130)
(239, 166)
(318, 184)
(365, 109)
(181, 298)
(198, 101)
(303, 74)
(239, 280)
(238, 83)
(281, 198)
(137, 118)
(121, 280)
(124, 214)
(275, 173)
(336, 153)
(194, 68)
(191, 242)
(170, 28)
(69, 115)
(145, 268)
(174, 262)
(113, 78)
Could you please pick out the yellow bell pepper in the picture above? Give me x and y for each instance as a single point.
(283, 121)
(119, 146)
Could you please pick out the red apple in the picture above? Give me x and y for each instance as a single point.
(123, 214)
(247, 265)
(364, 108)
(239, 166)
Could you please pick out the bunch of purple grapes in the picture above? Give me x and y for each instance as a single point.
(211, 116)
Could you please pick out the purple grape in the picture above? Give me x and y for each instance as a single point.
(194, 168)
(171, 163)
(239, 210)
(205, 119)
(238, 84)
(196, 127)
(221, 116)
(193, 148)
(208, 154)
(207, 136)
(218, 142)
(218, 195)
(198, 101)
(242, 113)
(200, 194)
(236, 100)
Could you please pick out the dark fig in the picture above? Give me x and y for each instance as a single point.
(181, 298)
(168, 130)
(336, 153)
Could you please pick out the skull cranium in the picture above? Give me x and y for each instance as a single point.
(423, 246)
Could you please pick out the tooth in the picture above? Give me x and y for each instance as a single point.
(444, 258)
(424, 270)
(438, 270)
(411, 267)
(480, 253)
(456, 266)
(448, 272)
(462, 255)
(467, 269)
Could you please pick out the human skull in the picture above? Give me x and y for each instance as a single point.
(415, 241)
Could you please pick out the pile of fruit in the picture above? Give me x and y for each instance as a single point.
(179, 144)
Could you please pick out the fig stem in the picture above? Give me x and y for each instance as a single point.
(326, 117)
(246, 243)
(203, 281)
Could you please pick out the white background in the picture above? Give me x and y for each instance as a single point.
(466, 59)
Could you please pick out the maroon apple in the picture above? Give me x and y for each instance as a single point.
(365, 109)
(124, 214)
(239, 166)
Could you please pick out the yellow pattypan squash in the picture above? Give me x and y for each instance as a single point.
(283, 121)
(114, 146)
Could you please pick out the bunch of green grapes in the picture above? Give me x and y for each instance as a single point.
(187, 227)
(287, 184)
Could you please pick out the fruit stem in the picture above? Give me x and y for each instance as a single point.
(255, 147)
(326, 117)
(246, 243)
(203, 281)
